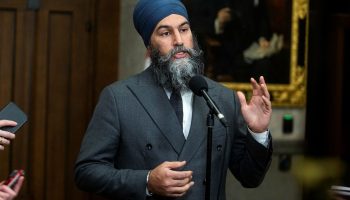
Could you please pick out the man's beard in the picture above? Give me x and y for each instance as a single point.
(174, 74)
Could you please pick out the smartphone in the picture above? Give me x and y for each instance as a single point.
(13, 178)
(12, 112)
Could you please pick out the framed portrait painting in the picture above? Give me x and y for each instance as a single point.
(251, 38)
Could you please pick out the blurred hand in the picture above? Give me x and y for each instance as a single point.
(164, 180)
(6, 136)
(6, 193)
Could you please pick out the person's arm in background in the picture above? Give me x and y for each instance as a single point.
(6, 193)
(6, 136)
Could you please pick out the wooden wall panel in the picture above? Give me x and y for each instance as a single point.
(20, 157)
(18, 4)
(59, 75)
(7, 47)
(54, 61)
(107, 36)
(63, 82)
(336, 68)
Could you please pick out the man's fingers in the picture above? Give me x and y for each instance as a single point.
(267, 102)
(265, 91)
(242, 98)
(179, 191)
(181, 182)
(168, 179)
(179, 175)
(174, 165)
(260, 88)
(174, 173)
(262, 80)
(264, 87)
(255, 85)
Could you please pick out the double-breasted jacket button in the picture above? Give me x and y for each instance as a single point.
(149, 147)
(219, 147)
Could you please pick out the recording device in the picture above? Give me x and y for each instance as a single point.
(199, 87)
(13, 178)
(12, 112)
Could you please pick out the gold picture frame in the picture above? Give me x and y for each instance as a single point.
(292, 94)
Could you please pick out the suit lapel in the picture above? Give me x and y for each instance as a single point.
(157, 105)
(198, 131)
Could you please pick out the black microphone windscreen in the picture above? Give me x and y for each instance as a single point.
(197, 84)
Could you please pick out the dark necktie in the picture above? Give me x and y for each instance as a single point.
(176, 102)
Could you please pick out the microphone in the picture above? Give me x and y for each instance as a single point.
(199, 87)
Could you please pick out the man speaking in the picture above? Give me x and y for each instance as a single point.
(148, 134)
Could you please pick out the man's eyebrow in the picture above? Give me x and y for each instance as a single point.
(167, 26)
(185, 23)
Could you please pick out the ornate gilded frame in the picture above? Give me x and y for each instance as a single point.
(294, 93)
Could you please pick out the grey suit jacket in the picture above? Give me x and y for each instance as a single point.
(134, 129)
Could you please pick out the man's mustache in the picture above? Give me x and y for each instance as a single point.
(178, 49)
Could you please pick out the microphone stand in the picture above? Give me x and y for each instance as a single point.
(210, 124)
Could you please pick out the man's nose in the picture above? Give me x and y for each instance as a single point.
(177, 39)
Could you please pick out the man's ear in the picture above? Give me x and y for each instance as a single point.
(148, 57)
(148, 51)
